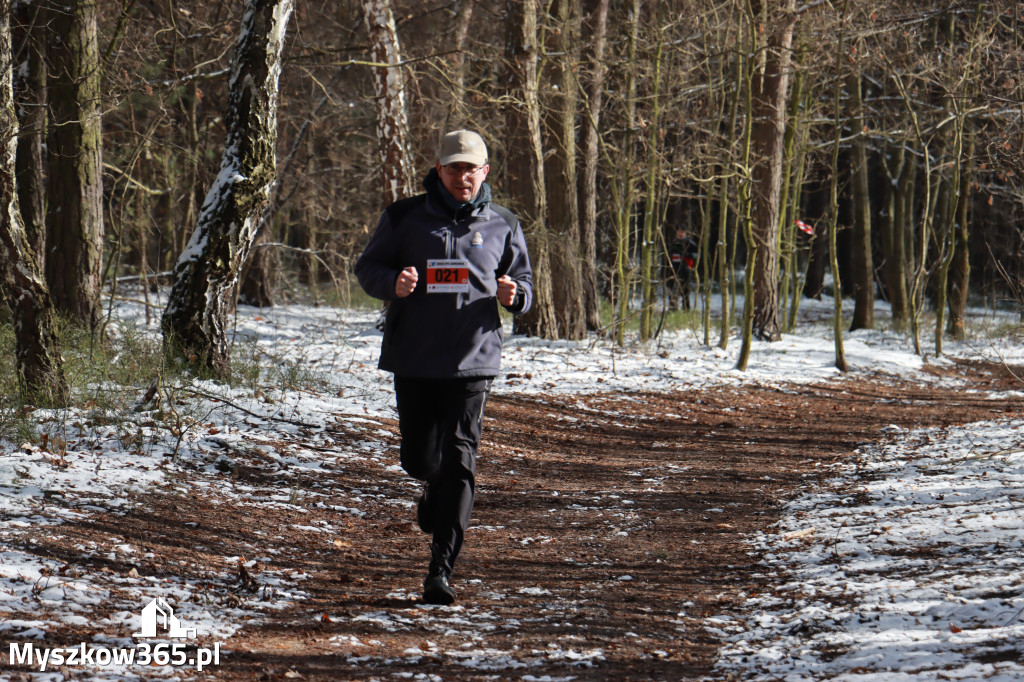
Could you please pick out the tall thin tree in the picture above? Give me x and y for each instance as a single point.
(899, 169)
(455, 115)
(23, 287)
(396, 168)
(623, 184)
(74, 240)
(561, 176)
(591, 156)
(833, 211)
(863, 263)
(30, 103)
(650, 244)
(526, 162)
(770, 95)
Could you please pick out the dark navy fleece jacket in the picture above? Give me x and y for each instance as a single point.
(444, 335)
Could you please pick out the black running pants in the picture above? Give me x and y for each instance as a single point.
(440, 421)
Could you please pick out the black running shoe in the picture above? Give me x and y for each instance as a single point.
(436, 590)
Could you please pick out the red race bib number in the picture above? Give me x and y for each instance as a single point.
(447, 276)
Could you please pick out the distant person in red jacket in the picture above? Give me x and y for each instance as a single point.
(444, 260)
(682, 255)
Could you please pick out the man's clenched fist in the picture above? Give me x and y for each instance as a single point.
(406, 282)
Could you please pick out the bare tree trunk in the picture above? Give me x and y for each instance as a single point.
(262, 272)
(526, 165)
(800, 246)
(833, 212)
(955, 226)
(816, 208)
(397, 175)
(724, 253)
(23, 287)
(946, 198)
(257, 281)
(624, 186)
(863, 279)
(456, 115)
(837, 298)
(30, 102)
(960, 268)
(894, 226)
(744, 200)
(650, 245)
(195, 321)
(707, 255)
(591, 147)
(771, 90)
(561, 175)
(74, 239)
(926, 233)
(792, 184)
(953, 195)
(194, 188)
(906, 224)
(919, 251)
(864, 267)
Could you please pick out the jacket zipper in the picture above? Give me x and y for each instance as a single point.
(449, 247)
(449, 240)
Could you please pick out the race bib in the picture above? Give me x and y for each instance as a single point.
(447, 276)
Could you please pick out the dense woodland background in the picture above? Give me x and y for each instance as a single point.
(894, 128)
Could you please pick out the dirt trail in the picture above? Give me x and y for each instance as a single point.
(608, 530)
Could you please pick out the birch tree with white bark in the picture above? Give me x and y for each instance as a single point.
(195, 321)
(397, 175)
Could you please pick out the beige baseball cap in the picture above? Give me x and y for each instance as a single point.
(462, 146)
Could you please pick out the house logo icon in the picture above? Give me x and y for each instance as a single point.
(159, 612)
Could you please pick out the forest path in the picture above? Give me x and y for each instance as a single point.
(609, 533)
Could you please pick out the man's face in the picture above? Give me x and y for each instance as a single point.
(462, 180)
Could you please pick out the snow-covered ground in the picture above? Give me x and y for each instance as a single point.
(910, 566)
(906, 567)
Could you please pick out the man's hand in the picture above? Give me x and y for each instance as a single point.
(406, 282)
(506, 290)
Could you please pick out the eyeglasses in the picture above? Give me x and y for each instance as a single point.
(460, 170)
